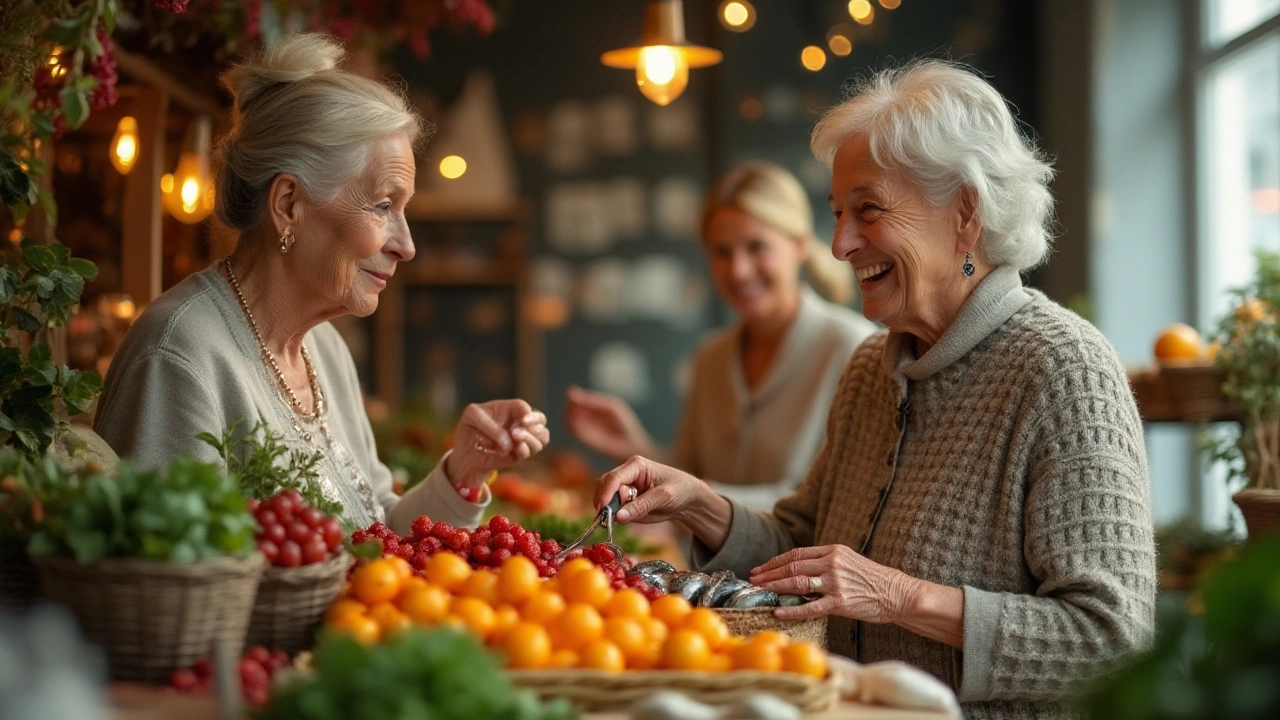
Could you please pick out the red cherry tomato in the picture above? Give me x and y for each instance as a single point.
(311, 516)
(299, 532)
(290, 554)
(332, 531)
(282, 506)
(315, 551)
(269, 550)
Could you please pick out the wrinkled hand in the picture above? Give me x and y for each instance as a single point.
(493, 435)
(850, 585)
(606, 424)
(664, 493)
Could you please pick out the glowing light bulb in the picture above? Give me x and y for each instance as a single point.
(190, 194)
(861, 11)
(662, 73)
(124, 146)
(737, 15)
(453, 167)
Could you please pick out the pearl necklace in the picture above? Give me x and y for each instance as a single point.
(270, 359)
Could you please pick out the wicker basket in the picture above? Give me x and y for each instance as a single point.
(1152, 395)
(291, 602)
(152, 616)
(1261, 510)
(749, 621)
(19, 579)
(1196, 391)
(593, 690)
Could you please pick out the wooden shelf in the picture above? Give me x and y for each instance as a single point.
(1182, 394)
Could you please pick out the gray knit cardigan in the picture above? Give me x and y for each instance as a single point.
(1008, 461)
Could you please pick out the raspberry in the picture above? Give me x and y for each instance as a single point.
(575, 554)
(458, 541)
(391, 545)
(481, 536)
(442, 530)
(601, 555)
(481, 554)
(380, 530)
(504, 541)
(407, 551)
(359, 536)
(422, 526)
(652, 593)
(550, 547)
(432, 545)
(420, 560)
(636, 581)
(500, 556)
(544, 568)
(499, 524)
(529, 547)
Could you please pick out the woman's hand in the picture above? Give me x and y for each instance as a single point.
(606, 424)
(850, 584)
(665, 493)
(491, 436)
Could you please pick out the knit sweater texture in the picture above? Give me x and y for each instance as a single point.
(1009, 461)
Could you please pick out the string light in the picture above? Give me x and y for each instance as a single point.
(813, 58)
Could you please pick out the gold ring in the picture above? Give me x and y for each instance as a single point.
(482, 449)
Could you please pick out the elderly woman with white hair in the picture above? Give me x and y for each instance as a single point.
(315, 176)
(980, 507)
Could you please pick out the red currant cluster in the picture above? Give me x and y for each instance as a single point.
(291, 533)
(603, 556)
(486, 546)
(103, 68)
(256, 668)
(178, 6)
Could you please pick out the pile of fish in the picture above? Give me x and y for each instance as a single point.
(717, 590)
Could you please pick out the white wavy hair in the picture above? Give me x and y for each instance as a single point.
(946, 129)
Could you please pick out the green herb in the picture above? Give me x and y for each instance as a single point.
(565, 531)
(188, 512)
(27, 487)
(264, 465)
(39, 287)
(437, 674)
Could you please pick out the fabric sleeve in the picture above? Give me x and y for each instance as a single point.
(1088, 541)
(437, 497)
(683, 452)
(155, 409)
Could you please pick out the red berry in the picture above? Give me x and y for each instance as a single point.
(253, 676)
(267, 517)
(279, 659)
(379, 530)
(184, 681)
(331, 529)
(550, 547)
(636, 581)
(259, 653)
(432, 545)
(314, 551)
(600, 555)
(504, 541)
(529, 547)
(269, 550)
(481, 536)
(575, 554)
(500, 556)
(499, 524)
(311, 516)
(359, 536)
(251, 504)
(544, 568)
(422, 526)
(391, 545)
(257, 695)
(295, 498)
(420, 561)
(202, 668)
(481, 554)
(290, 554)
(442, 530)
(407, 551)
(458, 541)
(282, 506)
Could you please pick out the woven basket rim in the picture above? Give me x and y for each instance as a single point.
(762, 611)
(307, 573)
(640, 677)
(162, 568)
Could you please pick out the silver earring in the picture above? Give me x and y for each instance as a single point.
(287, 240)
(968, 269)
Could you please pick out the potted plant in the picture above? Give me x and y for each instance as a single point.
(159, 566)
(1249, 356)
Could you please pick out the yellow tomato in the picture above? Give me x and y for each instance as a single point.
(602, 655)
(359, 626)
(482, 585)
(578, 625)
(376, 582)
(805, 659)
(426, 605)
(447, 570)
(528, 646)
(671, 609)
(517, 580)
(543, 607)
(627, 602)
(686, 650)
(476, 614)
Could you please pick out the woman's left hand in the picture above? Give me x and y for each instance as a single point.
(493, 435)
(849, 584)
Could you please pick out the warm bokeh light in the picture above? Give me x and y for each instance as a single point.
(751, 108)
(737, 15)
(862, 11)
(662, 73)
(188, 193)
(813, 58)
(1266, 201)
(124, 146)
(890, 4)
(56, 68)
(840, 45)
(453, 167)
(166, 183)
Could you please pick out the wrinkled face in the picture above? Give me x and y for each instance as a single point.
(350, 246)
(902, 248)
(755, 266)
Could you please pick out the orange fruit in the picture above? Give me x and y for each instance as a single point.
(1254, 310)
(773, 637)
(650, 659)
(543, 607)
(413, 582)
(1179, 343)
(563, 659)
(390, 620)
(587, 586)
(402, 566)
(602, 655)
(447, 570)
(629, 635)
(627, 602)
(805, 659)
(574, 566)
(482, 585)
(476, 614)
(343, 606)
(719, 662)
(656, 630)
(517, 580)
(426, 605)
(757, 655)
(578, 625)
(709, 625)
(359, 626)
(528, 646)
(671, 609)
(686, 650)
(376, 582)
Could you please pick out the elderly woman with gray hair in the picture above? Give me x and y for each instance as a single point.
(316, 173)
(980, 506)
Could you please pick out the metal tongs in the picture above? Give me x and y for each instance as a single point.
(606, 516)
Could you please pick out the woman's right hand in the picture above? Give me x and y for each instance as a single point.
(606, 424)
(665, 493)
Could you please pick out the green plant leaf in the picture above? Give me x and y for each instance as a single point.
(40, 257)
(67, 31)
(25, 320)
(75, 106)
(15, 185)
(83, 268)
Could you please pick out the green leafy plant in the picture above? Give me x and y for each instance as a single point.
(1222, 663)
(1250, 356)
(27, 486)
(264, 465)
(39, 288)
(419, 674)
(187, 512)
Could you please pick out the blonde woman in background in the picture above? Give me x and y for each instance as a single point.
(756, 409)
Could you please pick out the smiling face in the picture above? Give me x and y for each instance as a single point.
(905, 252)
(755, 267)
(350, 246)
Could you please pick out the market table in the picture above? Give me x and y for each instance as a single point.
(142, 702)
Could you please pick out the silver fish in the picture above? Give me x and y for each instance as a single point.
(689, 585)
(753, 597)
(721, 590)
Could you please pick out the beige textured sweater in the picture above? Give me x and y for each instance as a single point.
(1018, 473)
